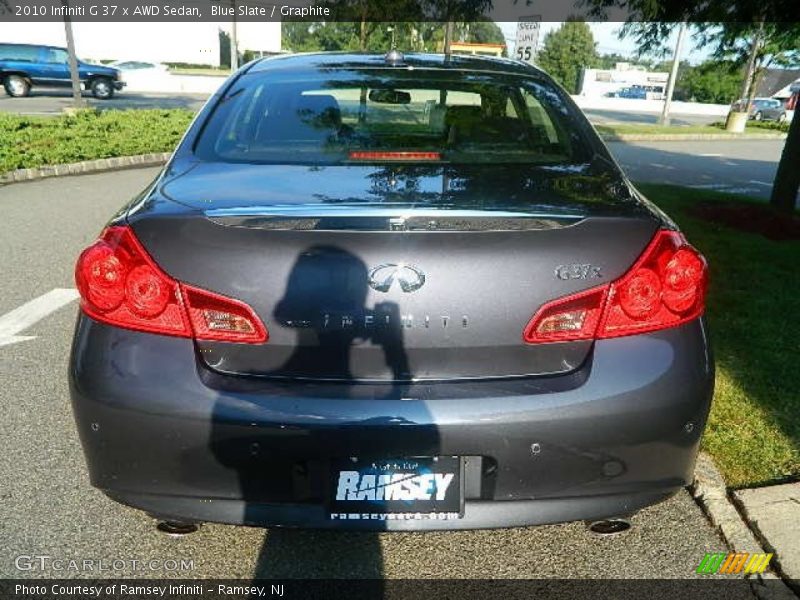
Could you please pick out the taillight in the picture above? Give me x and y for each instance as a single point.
(664, 288)
(120, 284)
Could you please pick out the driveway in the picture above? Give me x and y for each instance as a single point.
(736, 166)
(53, 102)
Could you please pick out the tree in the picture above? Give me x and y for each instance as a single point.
(652, 22)
(566, 52)
(763, 44)
(714, 82)
(484, 31)
(409, 36)
(224, 48)
(367, 18)
(609, 61)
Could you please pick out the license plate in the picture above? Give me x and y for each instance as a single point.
(419, 488)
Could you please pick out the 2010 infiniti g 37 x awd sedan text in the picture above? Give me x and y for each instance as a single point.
(390, 293)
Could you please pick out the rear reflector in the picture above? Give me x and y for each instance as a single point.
(400, 155)
(120, 284)
(664, 288)
(568, 319)
(216, 317)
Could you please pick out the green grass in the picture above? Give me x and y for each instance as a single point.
(27, 142)
(753, 127)
(754, 429)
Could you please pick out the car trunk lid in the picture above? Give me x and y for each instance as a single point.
(357, 278)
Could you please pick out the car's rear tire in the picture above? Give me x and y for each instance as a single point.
(102, 88)
(16, 86)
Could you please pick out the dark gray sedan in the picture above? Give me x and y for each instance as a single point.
(400, 292)
(767, 109)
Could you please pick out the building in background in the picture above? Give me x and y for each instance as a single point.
(625, 80)
(476, 48)
(190, 43)
(259, 38)
(781, 84)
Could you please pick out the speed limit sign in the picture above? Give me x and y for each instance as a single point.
(527, 38)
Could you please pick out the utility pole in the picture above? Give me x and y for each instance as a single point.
(673, 76)
(749, 90)
(234, 40)
(77, 99)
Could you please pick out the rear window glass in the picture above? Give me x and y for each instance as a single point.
(377, 115)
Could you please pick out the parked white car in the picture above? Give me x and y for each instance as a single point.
(144, 76)
(138, 66)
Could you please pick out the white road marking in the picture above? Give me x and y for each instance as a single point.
(764, 183)
(29, 313)
(712, 154)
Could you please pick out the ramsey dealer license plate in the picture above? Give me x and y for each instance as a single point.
(417, 488)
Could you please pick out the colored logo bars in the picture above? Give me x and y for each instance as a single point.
(733, 563)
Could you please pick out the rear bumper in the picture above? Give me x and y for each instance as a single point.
(166, 435)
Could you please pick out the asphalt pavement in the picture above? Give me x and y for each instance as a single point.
(49, 509)
(739, 166)
(53, 101)
(602, 117)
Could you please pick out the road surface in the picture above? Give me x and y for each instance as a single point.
(53, 102)
(736, 166)
(602, 117)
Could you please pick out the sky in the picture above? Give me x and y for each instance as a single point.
(605, 34)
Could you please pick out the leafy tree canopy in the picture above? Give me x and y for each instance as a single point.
(425, 36)
(566, 51)
(714, 81)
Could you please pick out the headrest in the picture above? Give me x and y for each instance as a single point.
(322, 109)
(459, 115)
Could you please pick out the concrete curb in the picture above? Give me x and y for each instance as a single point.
(710, 492)
(87, 166)
(689, 137)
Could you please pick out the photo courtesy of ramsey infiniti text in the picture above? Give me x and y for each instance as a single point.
(390, 293)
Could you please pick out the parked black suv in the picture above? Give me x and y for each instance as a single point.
(23, 66)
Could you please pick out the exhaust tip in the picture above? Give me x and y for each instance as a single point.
(176, 529)
(607, 527)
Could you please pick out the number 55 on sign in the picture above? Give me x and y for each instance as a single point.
(527, 38)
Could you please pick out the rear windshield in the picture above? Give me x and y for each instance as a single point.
(376, 115)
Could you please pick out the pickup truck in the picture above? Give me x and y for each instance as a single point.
(24, 66)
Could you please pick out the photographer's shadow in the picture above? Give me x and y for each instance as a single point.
(324, 304)
(337, 280)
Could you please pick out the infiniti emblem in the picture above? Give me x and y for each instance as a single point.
(382, 277)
